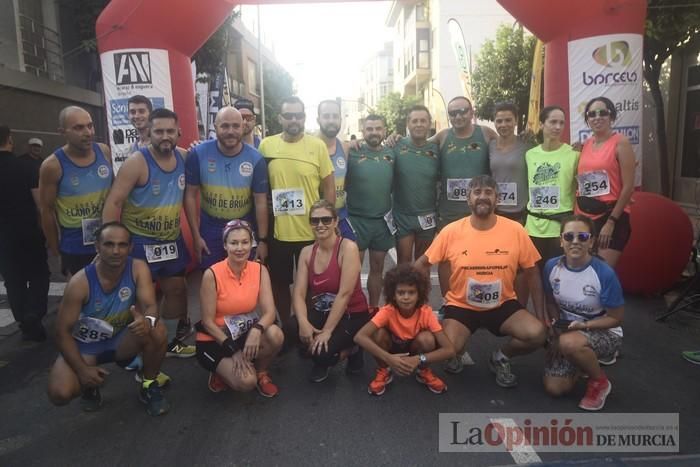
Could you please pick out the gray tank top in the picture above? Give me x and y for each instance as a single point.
(509, 169)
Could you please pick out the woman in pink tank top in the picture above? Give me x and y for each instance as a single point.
(329, 271)
(606, 179)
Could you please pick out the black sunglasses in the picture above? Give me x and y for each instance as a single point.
(325, 220)
(581, 236)
(462, 111)
(598, 113)
(295, 115)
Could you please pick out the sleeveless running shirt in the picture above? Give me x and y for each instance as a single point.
(416, 172)
(460, 160)
(110, 306)
(80, 198)
(340, 169)
(328, 281)
(369, 182)
(153, 210)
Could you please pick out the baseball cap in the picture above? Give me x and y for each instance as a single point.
(37, 141)
(244, 104)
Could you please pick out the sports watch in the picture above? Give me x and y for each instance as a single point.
(423, 360)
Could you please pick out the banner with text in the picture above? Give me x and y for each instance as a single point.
(128, 72)
(610, 66)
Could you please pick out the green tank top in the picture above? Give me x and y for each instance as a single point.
(416, 172)
(550, 181)
(460, 160)
(368, 182)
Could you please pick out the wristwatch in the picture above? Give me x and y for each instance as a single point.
(259, 327)
(153, 320)
(423, 360)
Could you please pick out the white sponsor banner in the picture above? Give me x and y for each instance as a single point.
(559, 432)
(610, 66)
(126, 73)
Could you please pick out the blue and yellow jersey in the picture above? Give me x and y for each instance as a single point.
(113, 306)
(227, 183)
(80, 198)
(153, 210)
(340, 169)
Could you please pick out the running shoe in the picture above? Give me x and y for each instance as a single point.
(356, 361)
(319, 373)
(179, 350)
(597, 391)
(154, 400)
(432, 382)
(693, 356)
(162, 379)
(184, 329)
(265, 385)
(609, 361)
(378, 385)
(136, 364)
(91, 400)
(505, 378)
(454, 365)
(216, 383)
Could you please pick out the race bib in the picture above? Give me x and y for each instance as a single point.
(457, 189)
(323, 302)
(507, 194)
(90, 330)
(238, 325)
(593, 183)
(288, 202)
(89, 228)
(162, 252)
(484, 294)
(389, 219)
(544, 197)
(427, 222)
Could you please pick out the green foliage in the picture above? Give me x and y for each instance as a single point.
(278, 84)
(210, 57)
(394, 109)
(84, 14)
(502, 73)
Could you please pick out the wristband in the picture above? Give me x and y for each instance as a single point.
(259, 327)
(262, 240)
(613, 218)
(228, 347)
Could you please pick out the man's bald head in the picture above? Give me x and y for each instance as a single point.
(229, 130)
(75, 123)
(69, 113)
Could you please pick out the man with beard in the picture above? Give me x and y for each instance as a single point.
(368, 185)
(148, 192)
(484, 252)
(73, 186)
(247, 110)
(231, 178)
(140, 108)
(329, 120)
(416, 175)
(299, 169)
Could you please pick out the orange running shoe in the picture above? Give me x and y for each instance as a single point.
(432, 382)
(378, 385)
(216, 383)
(265, 385)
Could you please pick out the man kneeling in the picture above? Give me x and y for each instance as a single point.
(100, 321)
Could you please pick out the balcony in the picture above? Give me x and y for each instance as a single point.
(40, 49)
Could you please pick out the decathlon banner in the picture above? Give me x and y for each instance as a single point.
(128, 72)
(610, 66)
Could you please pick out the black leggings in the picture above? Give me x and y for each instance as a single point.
(342, 336)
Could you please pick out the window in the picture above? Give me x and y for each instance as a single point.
(420, 12)
(252, 83)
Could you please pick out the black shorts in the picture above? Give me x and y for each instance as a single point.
(283, 256)
(621, 233)
(74, 263)
(210, 353)
(547, 247)
(519, 217)
(399, 345)
(491, 319)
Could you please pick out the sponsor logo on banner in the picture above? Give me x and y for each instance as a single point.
(133, 68)
(631, 132)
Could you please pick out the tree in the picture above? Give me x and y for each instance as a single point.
(210, 57)
(395, 109)
(278, 84)
(502, 72)
(670, 25)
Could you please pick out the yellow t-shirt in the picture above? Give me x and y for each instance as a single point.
(295, 171)
(483, 262)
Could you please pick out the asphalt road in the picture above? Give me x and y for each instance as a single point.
(336, 422)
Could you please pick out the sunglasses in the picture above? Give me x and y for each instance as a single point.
(581, 236)
(293, 115)
(325, 220)
(598, 113)
(462, 111)
(249, 118)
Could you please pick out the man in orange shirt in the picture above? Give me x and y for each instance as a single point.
(484, 252)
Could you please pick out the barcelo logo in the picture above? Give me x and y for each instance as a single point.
(616, 53)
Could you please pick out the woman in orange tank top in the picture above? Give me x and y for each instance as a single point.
(606, 179)
(236, 342)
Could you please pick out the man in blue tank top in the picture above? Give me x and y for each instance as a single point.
(73, 186)
(108, 314)
(147, 194)
(329, 122)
